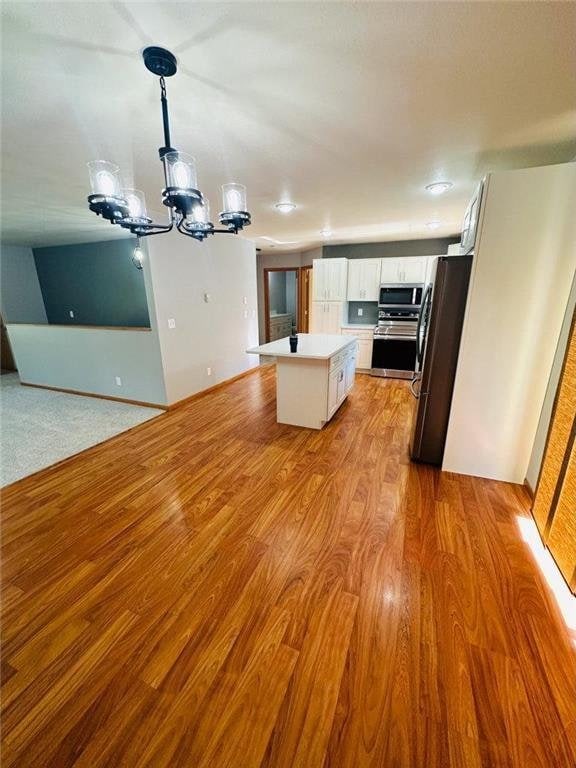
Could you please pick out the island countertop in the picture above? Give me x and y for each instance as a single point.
(318, 346)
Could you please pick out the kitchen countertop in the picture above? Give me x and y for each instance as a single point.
(319, 346)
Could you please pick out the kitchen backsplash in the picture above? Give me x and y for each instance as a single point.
(369, 314)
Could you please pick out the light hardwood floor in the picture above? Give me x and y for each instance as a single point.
(215, 589)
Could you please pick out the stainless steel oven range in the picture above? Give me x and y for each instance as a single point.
(394, 348)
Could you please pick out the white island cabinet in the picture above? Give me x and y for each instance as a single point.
(314, 381)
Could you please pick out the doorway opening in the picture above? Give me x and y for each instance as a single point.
(281, 296)
(287, 297)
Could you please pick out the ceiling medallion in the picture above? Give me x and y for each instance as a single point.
(188, 209)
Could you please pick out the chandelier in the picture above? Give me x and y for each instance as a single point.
(188, 209)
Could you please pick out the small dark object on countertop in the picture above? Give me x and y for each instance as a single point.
(293, 340)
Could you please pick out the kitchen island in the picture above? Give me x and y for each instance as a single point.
(314, 381)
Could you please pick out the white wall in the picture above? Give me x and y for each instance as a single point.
(520, 284)
(213, 334)
(20, 295)
(533, 470)
(89, 359)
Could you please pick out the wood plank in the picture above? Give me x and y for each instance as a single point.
(214, 588)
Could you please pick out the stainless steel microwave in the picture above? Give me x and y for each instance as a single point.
(401, 295)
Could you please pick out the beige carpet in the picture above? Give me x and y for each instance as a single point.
(39, 427)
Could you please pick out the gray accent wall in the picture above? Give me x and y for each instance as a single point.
(437, 246)
(20, 295)
(96, 281)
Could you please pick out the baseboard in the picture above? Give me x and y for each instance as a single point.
(94, 394)
(204, 392)
(529, 489)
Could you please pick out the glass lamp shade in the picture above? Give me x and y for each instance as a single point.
(136, 204)
(138, 256)
(104, 178)
(180, 170)
(199, 215)
(233, 198)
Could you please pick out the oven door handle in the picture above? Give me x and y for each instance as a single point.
(391, 337)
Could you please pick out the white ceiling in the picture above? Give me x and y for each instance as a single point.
(349, 109)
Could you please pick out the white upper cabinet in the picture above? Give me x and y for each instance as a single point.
(429, 268)
(329, 279)
(390, 270)
(410, 269)
(363, 279)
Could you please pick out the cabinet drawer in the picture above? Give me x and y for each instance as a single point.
(337, 360)
(362, 334)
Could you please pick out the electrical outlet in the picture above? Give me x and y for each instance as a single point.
(118, 381)
(209, 371)
(171, 322)
(245, 299)
(71, 313)
(360, 312)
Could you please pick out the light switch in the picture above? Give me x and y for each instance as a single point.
(71, 313)
(171, 322)
(245, 299)
(118, 381)
(360, 312)
(206, 297)
(209, 371)
(245, 313)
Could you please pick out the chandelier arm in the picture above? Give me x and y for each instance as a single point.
(183, 230)
(158, 230)
(142, 230)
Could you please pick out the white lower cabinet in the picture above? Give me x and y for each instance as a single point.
(333, 391)
(349, 373)
(364, 359)
(363, 347)
(341, 378)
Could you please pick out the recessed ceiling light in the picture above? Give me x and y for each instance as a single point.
(439, 187)
(285, 207)
(325, 232)
(433, 224)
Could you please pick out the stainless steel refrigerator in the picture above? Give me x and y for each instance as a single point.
(438, 342)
